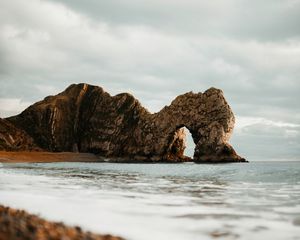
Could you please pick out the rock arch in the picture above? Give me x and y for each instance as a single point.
(209, 119)
(118, 126)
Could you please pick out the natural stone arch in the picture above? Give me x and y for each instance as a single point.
(118, 126)
(207, 116)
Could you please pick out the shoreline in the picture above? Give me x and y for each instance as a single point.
(50, 157)
(20, 225)
(46, 157)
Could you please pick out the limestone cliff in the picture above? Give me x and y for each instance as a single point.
(85, 118)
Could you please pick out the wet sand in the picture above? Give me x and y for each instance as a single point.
(44, 157)
(20, 225)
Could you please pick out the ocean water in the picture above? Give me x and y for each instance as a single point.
(256, 200)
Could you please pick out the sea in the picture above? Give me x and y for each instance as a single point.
(188, 201)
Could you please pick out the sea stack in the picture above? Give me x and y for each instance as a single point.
(85, 118)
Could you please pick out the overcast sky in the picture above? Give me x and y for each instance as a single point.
(161, 48)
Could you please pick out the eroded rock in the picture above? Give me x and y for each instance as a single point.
(85, 118)
(14, 139)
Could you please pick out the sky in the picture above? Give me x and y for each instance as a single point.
(157, 50)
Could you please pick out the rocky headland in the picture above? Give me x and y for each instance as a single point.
(86, 119)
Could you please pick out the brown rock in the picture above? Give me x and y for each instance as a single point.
(84, 118)
(13, 138)
(19, 225)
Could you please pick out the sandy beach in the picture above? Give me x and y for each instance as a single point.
(45, 157)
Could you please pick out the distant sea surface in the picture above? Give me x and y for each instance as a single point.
(256, 200)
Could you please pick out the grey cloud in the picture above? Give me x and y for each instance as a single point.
(152, 51)
(266, 20)
(262, 142)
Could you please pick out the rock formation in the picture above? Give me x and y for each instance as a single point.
(85, 118)
(20, 225)
(14, 139)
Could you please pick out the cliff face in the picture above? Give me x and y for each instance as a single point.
(84, 118)
(14, 139)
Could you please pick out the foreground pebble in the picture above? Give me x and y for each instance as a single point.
(20, 225)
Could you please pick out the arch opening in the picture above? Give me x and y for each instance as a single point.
(181, 146)
(189, 143)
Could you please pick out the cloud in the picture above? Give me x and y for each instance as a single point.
(156, 51)
(46, 90)
(266, 20)
(12, 106)
(244, 122)
(263, 139)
